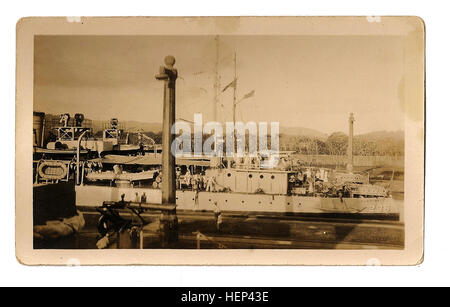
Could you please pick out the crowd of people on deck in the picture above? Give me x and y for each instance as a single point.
(313, 180)
(197, 181)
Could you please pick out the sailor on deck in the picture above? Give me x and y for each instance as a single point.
(178, 177)
(247, 161)
(195, 187)
(210, 184)
(237, 161)
(187, 178)
(258, 161)
(195, 182)
(202, 181)
(217, 215)
(143, 198)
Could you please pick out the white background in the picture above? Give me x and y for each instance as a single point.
(434, 271)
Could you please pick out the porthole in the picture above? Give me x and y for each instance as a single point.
(261, 176)
(250, 176)
(272, 177)
(229, 174)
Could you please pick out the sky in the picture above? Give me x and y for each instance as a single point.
(300, 81)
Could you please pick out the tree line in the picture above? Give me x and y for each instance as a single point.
(337, 144)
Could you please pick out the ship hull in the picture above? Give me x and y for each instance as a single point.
(92, 196)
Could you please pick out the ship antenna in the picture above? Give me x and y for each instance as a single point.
(234, 102)
(217, 79)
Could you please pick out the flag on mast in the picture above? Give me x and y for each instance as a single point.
(231, 84)
(248, 95)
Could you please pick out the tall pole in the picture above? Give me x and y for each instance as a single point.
(351, 120)
(168, 74)
(234, 103)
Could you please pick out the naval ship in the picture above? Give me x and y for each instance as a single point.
(204, 186)
(237, 185)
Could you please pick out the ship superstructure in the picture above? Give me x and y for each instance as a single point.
(70, 143)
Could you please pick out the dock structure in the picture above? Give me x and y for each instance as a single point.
(198, 231)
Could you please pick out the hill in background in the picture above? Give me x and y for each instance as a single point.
(300, 139)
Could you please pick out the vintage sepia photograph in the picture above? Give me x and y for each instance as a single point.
(272, 137)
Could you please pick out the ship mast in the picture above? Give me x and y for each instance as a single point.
(217, 88)
(217, 80)
(234, 102)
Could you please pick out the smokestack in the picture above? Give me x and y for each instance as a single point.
(351, 120)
